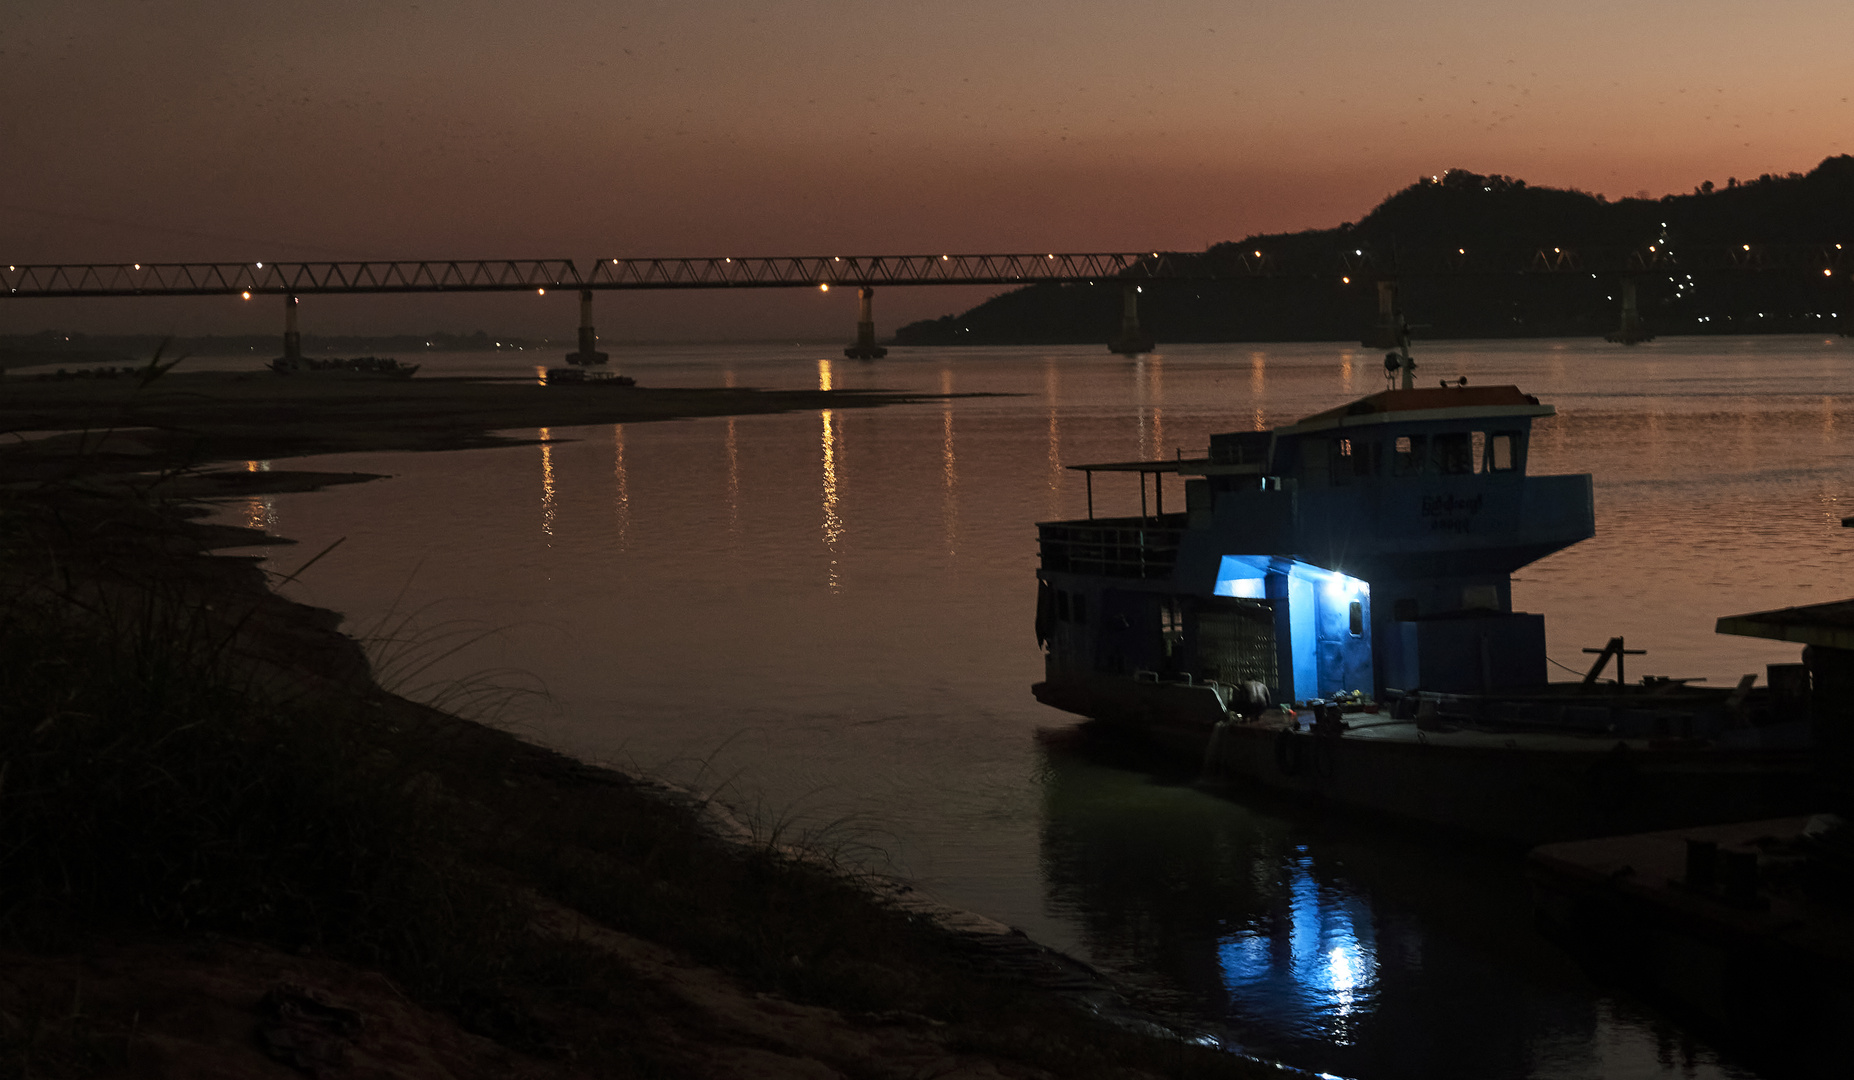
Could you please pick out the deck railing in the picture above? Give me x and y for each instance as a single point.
(1112, 547)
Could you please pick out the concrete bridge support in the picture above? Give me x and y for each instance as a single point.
(1632, 331)
(588, 338)
(865, 347)
(292, 338)
(1131, 340)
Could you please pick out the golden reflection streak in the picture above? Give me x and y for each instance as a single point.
(949, 464)
(1347, 371)
(1139, 406)
(1155, 393)
(540, 375)
(1828, 419)
(733, 478)
(833, 525)
(261, 510)
(733, 464)
(823, 374)
(621, 503)
(1051, 392)
(547, 480)
(1258, 386)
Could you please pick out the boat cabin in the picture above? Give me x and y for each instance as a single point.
(1363, 548)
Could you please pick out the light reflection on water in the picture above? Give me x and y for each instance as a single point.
(260, 511)
(621, 486)
(547, 480)
(831, 614)
(833, 525)
(949, 466)
(1318, 968)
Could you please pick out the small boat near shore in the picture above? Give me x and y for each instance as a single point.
(590, 376)
(1331, 615)
(357, 365)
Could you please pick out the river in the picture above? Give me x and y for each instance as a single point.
(826, 620)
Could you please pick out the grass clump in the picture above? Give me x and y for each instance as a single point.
(161, 773)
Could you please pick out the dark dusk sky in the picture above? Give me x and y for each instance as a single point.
(239, 130)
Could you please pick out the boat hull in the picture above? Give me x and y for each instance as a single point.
(1523, 786)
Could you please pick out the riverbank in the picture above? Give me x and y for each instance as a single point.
(230, 852)
(219, 416)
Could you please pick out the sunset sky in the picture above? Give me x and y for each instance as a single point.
(581, 129)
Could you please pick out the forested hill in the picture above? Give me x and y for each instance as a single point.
(1501, 219)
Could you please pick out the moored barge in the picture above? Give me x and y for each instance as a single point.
(1331, 614)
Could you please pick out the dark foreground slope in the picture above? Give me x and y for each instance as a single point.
(226, 852)
(1501, 221)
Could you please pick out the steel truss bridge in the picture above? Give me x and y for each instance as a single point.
(868, 271)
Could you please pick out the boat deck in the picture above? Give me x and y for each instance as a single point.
(1383, 727)
(1765, 959)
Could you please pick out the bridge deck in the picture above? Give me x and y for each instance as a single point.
(800, 271)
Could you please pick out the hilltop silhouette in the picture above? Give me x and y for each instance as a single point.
(1503, 221)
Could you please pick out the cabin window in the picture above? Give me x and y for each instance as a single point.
(1409, 454)
(1454, 453)
(1365, 457)
(1358, 618)
(1078, 607)
(1171, 625)
(1339, 460)
(1352, 457)
(1500, 456)
(1062, 605)
(1480, 451)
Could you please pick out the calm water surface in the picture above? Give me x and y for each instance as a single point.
(827, 618)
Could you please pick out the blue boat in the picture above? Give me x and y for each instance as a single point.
(1353, 569)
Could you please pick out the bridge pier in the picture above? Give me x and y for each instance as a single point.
(1131, 340)
(1632, 331)
(588, 339)
(865, 347)
(292, 338)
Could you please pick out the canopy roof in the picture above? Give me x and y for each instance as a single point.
(1829, 625)
(1425, 399)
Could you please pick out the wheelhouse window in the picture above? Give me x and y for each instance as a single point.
(1408, 455)
(1454, 453)
(1501, 455)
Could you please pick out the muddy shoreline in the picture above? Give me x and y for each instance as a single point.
(111, 505)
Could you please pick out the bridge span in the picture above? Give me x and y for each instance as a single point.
(1225, 262)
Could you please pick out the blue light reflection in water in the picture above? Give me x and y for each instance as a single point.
(1314, 965)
